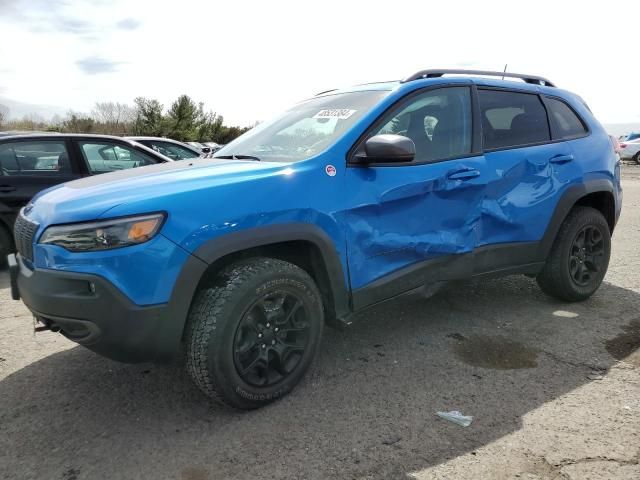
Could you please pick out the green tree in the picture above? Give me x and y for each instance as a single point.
(149, 119)
(229, 133)
(185, 118)
(210, 128)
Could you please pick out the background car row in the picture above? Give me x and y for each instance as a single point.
(33, 162)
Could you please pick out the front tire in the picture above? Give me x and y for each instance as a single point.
(253, 333)
(579, 257)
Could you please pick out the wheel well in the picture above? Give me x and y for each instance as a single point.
(302, 253)
(603, 202)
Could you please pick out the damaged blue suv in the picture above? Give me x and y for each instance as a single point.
(348, 199)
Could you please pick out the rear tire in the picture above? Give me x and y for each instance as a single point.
(252, 335)
(579, 257)
(636, 158)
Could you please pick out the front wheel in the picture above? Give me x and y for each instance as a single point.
(253, 334)
(579, 257)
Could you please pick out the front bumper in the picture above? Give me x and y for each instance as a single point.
(91, 311)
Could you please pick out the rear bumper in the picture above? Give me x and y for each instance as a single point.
(92, 312)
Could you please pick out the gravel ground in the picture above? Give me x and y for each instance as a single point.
(554, 390)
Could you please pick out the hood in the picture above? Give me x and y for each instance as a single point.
(91, 197)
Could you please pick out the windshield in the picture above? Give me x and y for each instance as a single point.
(305, 130)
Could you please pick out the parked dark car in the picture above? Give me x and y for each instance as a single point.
(31, 163)
(173, 149)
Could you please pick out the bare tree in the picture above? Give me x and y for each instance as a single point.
(113, 117)
(4, 114)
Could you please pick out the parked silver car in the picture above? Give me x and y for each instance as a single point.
(630, 150)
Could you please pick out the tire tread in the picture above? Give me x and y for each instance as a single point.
(207, 310)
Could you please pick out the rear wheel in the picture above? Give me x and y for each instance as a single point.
(636, 158)
(579, 257)
(254, 332)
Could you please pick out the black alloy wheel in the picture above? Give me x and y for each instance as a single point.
(587, 255)
(271, 338)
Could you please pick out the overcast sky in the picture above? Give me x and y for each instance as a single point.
(248, 60)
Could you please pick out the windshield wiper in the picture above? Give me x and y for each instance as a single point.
(238, 157)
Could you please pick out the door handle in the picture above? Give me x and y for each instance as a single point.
(464, 175)
(560, 159)
(7, 188)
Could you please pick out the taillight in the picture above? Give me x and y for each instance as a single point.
(623, 145)
(615, 144)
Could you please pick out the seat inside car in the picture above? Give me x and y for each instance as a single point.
(64, 164)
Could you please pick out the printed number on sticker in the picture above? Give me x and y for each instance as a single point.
(339, 113)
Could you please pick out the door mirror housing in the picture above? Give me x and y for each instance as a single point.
(387, 148)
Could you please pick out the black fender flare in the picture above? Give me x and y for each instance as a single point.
(217, 248)
(568, 200)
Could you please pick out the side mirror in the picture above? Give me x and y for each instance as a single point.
(388, 148)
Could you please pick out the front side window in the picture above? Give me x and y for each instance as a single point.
(307, 129)
(511, 119)
(103, 157)
(565, 124)
(49, 158)
(438, 122)
(171, 150)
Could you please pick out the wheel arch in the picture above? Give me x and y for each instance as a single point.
(304, 245)
(596, 193)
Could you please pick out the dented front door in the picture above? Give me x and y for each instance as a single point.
(403, 216)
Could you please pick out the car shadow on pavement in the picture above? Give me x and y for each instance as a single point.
(495, 349)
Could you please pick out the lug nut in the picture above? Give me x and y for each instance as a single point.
(276, 329)
(268, 325)
(264, 346)
(273, 342)
(259, 335)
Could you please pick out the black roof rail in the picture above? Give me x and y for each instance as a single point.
(325, 91)
(435, 73)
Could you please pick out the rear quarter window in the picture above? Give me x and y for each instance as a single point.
(565, 123)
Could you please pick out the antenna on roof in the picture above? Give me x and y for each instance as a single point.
(504, 71)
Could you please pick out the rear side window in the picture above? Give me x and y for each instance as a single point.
(105, 157)
(48, 158)
(511, 119)
(565, 124)
(171, 150)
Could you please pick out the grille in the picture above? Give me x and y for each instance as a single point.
(23, 233)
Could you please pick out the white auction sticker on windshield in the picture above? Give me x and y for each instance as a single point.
(339, 113)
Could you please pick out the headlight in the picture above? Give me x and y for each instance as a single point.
(104, 234)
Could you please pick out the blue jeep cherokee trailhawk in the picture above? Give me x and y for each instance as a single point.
(347, 199)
